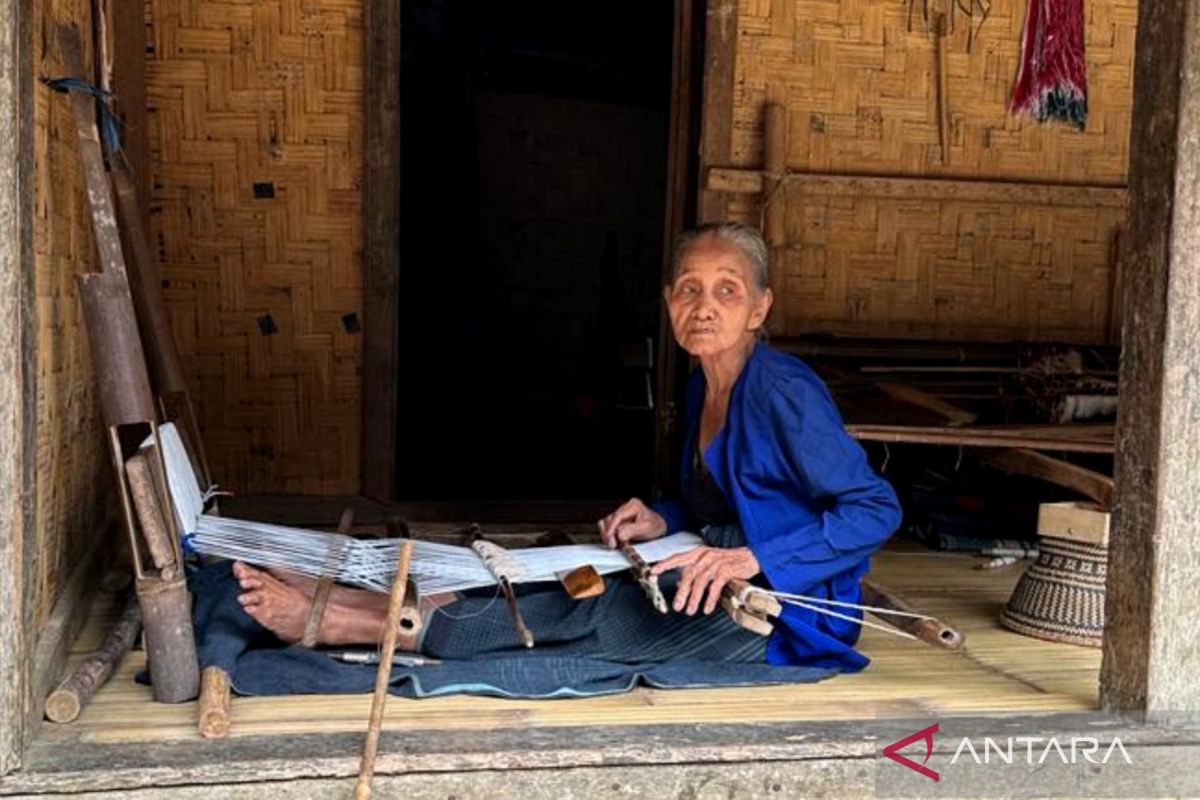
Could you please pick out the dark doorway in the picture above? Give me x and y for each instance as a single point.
(534, 148)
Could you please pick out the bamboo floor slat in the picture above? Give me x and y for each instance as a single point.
(997, 672)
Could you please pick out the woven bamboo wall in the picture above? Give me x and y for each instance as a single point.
(74, 478)
(860, 89)
(256, 138)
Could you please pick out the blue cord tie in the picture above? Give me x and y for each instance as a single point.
(109, 124)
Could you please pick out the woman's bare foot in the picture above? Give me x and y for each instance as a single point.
(278, 607)
(283, 609)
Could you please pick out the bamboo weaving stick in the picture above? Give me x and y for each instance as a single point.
(362, 789)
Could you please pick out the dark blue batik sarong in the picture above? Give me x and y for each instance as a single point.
(600, 645)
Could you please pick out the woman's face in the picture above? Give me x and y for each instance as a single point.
(713, 302)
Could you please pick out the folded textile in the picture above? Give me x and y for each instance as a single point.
(602, 645)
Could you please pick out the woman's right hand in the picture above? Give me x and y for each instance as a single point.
(633, 521)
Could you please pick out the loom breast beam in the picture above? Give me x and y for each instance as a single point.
(645, 578)
(754, 598)
(749, 606)
(504, 567)
(743, 616)
(125, 400)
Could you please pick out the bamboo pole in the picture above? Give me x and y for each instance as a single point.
(66, 702)
(362, 789)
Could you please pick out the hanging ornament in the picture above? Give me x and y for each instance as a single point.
(1052, 80)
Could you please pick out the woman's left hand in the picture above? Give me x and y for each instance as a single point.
(707, 568)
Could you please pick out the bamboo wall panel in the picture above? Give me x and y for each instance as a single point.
(957, 270)
(860, 93)
(256, 137)
(74, 477)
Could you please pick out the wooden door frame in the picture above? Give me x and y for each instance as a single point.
(381, 246)
(691, 71)
(381, 215)
(18, 401)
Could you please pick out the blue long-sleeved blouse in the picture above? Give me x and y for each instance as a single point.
(809, 505)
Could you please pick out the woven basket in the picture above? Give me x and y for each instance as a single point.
(1061, 596)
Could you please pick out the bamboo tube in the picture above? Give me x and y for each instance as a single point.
(411, 620)
(65, 702)
(170, 646)
(362, 789)
(149, 513)
(774, 167)
(216, 703)
(930, 631)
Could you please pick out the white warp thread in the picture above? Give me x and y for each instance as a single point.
(371, 563)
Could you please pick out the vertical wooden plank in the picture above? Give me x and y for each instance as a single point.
(17, 400)
(381, 246)
(680, 215)
(716, 129)
(1152, 634)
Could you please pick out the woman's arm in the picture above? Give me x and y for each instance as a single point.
(852, 510)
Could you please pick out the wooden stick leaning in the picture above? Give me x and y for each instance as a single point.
(362, 789)
(66, 702)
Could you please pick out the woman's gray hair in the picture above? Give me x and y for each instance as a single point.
(748, 241)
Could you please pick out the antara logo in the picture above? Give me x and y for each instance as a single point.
(1075, 748)
(892, 751)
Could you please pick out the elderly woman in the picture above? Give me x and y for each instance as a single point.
(771, 481)
(778, 490)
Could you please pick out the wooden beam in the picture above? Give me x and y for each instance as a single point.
(1022, 461)
(1152, 633)
(745, 181)
(18, 406)
(1049, 437)
(381, 246)
(716, 127)
(18, 372)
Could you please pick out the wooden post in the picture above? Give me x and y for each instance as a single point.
(1151, 633)
(18, 408)
(716, 128)
(381, 245)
